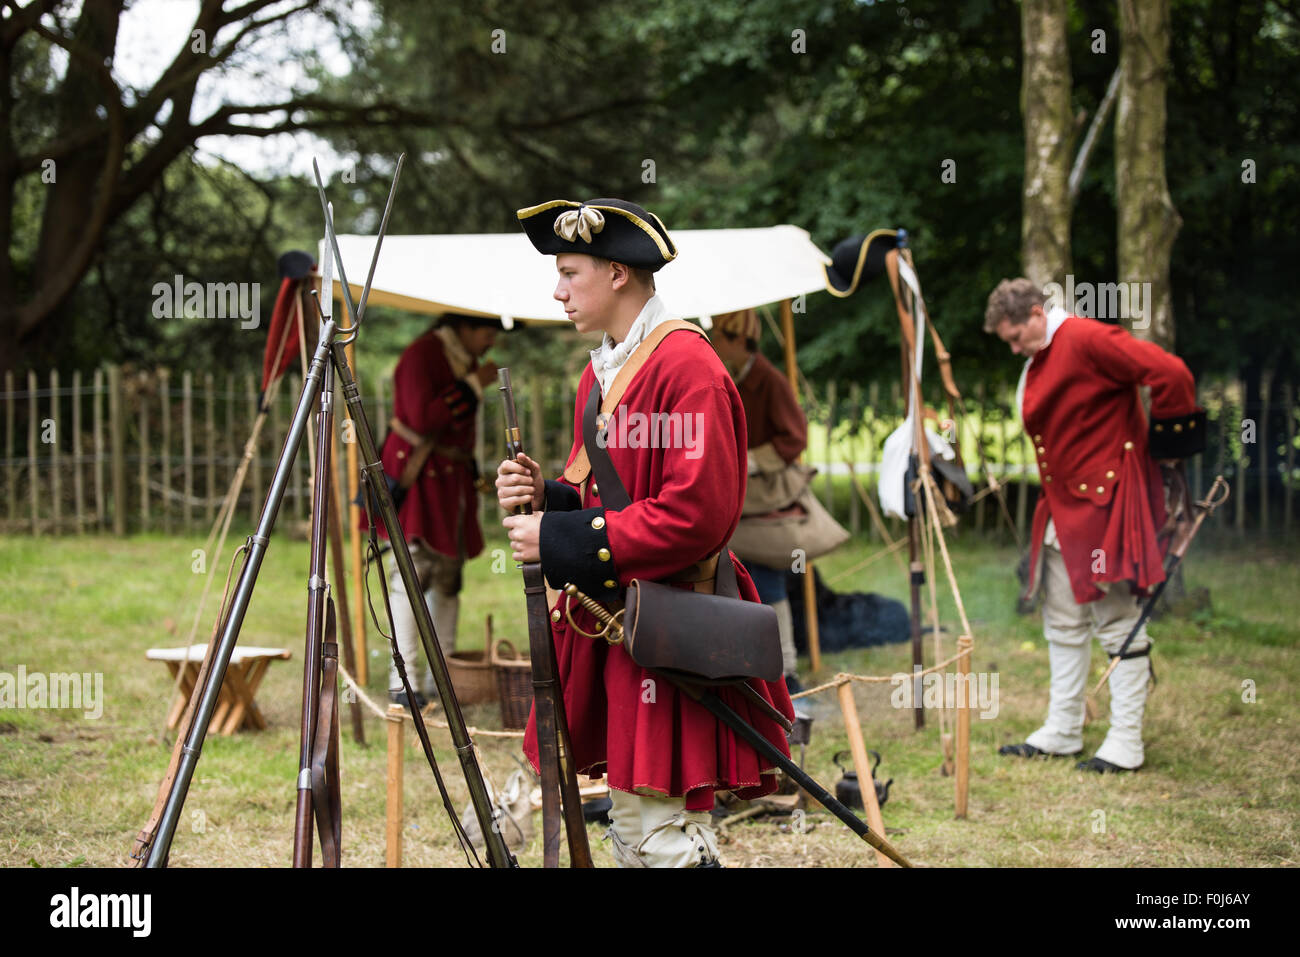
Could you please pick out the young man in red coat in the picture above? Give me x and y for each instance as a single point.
(1095, 552)
(437, 387)
(663, 754)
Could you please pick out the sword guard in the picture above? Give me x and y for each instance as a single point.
(612, 622)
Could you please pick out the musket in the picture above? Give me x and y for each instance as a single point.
(554, 751)
(372, 474)
(612, 632)
(1216, 496)
(315, 691)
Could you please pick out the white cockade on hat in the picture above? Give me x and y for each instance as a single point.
(583, 221)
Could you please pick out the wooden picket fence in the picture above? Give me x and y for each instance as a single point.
(122, 450)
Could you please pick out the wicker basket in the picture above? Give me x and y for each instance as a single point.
(472, 673)
(514, 675)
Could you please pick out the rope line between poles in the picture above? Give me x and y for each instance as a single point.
(406, 716)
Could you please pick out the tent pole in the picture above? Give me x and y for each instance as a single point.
(809, 579)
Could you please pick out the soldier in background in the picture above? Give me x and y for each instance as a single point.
(1094, 549)
(437, 388)
(777, 434)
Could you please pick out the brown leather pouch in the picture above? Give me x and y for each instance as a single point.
(700, 636)
(718, 637)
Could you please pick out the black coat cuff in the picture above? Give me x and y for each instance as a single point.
(560, 497)
(575, 550)
(1178, 437)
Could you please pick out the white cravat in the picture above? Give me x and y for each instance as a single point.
(607, 360)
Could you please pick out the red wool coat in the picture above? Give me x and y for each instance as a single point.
(1099, 483)
(441, 507)
(686, 501)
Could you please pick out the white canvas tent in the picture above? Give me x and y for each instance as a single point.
(500, 274)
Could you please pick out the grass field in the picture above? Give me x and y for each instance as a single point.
(1221, 784)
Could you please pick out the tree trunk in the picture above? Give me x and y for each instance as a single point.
(1049, 135)
(1148, 221)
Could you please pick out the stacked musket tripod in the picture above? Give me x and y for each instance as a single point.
(317, 781)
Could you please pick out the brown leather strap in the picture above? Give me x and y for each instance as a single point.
(941, 353)
(422, 446)
(704, 570)
(907, 342)
(580, 467)
(325, 797)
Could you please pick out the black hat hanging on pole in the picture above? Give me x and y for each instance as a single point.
(857, 260)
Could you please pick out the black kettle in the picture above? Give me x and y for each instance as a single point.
(847, 789)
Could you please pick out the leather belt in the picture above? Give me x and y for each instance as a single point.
(413, 437)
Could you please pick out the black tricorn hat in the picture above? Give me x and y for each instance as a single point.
(295, 264)
(610, 228)
(858, 259)
(475, 322)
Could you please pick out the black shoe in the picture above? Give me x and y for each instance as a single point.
(1101, 766)
(1029, 751)
(713, 863)
(399, 697)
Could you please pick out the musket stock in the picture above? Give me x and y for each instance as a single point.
(554, 752)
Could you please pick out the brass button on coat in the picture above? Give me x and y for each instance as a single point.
(603, 554)
(1083, 487)
(598, 522)
(1042, 451)
(555, 615)
(1100, 490)
(1110, 473)
(595, 489)
(610, 583)
(1128, 446)
(1047, 478)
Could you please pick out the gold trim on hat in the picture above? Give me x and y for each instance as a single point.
(857, 270)
(531, 211)
(668, 254)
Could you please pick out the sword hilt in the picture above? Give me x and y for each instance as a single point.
(611, 622)
(1216, 496)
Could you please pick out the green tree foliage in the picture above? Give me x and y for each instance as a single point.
(835, 115)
